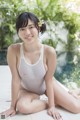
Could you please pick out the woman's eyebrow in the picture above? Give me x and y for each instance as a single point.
(30, 24)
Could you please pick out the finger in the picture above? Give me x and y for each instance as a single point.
(2, 113)
(8, 113)
(49, 113)
(13, 114)
(54, 116)
(59, 117)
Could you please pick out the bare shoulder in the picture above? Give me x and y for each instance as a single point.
(13, 52)
(14, 47)
(49, 51)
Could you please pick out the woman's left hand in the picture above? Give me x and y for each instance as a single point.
(54, 113)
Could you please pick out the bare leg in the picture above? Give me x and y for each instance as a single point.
(30, 103)
(75, 93)
(64, 99)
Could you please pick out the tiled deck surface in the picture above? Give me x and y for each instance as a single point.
(5, 84)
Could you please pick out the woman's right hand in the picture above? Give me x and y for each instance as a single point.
(10, 112)
(54, 113)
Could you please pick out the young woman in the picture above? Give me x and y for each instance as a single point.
(32, 65)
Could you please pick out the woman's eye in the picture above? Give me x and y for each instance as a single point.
(30, 27)
(22, 29)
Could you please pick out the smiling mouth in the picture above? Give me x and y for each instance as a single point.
(28, 38)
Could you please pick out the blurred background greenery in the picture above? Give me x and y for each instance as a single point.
(62, 18)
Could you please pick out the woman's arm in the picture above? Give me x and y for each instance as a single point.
(51, 65)
(49, 80)
(12, 62)
(15, 86)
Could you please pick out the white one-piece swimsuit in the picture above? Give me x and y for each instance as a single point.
(32, 75)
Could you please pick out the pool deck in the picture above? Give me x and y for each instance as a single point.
(5, 95)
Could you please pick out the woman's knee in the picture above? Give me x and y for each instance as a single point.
(24, 108)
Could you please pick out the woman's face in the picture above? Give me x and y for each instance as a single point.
(29, 33)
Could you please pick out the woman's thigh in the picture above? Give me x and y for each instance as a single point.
(64, 99)
(29, 102)
(27, 95)
(25, 98)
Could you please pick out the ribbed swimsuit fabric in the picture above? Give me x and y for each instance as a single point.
(32, 75)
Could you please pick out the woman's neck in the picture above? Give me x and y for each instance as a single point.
(32, 47)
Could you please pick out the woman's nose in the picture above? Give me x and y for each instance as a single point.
(27, 31)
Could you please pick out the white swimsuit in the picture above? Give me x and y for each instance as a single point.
(32, 75)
